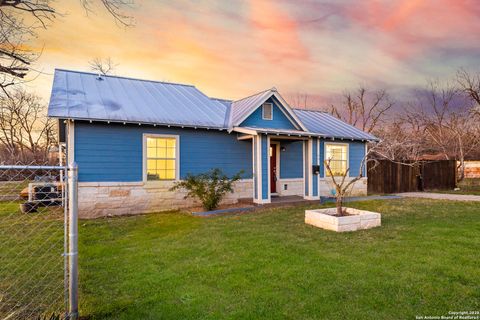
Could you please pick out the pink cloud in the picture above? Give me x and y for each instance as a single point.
(277, 34)
(415, 26)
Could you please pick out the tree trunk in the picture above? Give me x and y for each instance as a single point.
(339, 205)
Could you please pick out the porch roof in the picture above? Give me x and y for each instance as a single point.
(278, 132)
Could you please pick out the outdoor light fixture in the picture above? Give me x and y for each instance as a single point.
(283, 149)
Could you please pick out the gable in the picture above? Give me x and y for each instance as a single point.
(279, 118)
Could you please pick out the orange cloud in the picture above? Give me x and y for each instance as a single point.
(277, 34)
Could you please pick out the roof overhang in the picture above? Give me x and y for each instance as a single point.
(140, 123)
(275, 132)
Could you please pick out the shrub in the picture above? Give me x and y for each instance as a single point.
(209, 187)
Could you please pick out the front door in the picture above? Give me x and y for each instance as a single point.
(273, 168)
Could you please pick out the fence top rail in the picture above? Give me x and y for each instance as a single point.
(18, 167)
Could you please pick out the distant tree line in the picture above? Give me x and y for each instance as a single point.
(442, 122)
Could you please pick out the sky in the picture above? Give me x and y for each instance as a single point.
(232, 49)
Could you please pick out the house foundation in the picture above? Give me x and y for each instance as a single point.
(101, 199)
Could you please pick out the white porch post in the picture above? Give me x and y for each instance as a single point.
(261, 168)
(311, 157)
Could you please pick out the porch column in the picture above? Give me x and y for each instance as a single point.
(261, 169)
(311, 157)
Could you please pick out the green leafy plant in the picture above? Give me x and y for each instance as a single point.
(209, 187)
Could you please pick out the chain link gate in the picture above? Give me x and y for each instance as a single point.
(38, 239)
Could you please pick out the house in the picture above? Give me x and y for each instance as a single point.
(133, 138)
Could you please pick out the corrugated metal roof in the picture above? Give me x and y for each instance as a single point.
(326, 124)
(81, 95)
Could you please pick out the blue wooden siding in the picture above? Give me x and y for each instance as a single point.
(265, 166)
(291, 160)
(279, 120)
(114, 152)
(322, 158)
(314, 160)
(355, 156)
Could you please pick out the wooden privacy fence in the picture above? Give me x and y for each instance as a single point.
(391, 177)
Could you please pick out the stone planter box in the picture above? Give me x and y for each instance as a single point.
(358, 220)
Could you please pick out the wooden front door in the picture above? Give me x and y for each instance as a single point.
(273, 168)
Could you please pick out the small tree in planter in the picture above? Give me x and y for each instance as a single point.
(341, 184)
(209, 187)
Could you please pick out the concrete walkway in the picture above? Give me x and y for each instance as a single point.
(439, 196)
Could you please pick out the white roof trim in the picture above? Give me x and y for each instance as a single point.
(244, 130)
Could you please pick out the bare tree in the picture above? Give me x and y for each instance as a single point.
(448, 125)
(299, 100)
(115, 8)
(363, 109)
(25, 132)
(17, 29)
(469, 83)
(402, 140)
(102, 66)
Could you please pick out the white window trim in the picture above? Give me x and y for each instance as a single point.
(325, 157)
(263, 110)
(177, 156)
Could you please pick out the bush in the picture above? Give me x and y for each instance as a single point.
(209, 187)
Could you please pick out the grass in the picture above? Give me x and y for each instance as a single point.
(31, 267)
(269, 264)
(467, 186)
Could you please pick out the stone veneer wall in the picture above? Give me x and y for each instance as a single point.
(294, 187)
(100, 199)
(359, 188)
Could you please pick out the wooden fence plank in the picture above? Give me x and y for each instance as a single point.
(391, 177)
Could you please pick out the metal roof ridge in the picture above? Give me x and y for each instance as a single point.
(253, 95)
(127, 78)
(310, 110)
(220, 99)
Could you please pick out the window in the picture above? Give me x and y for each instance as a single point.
(337, 154)
(267, 111)
(161, 158)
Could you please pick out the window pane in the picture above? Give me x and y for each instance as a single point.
(161, 164)
(170, 153)
(151, 152)
(161, 143)
(170, 174)
(171, 143)
(162, 174)
(151, 165)
(267, 111)
(161, 152)
(151, 143)
(170, 164)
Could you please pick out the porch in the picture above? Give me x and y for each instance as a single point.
(286, 164)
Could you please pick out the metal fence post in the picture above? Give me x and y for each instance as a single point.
(73, 240)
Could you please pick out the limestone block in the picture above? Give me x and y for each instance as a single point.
(358, 219)
(119, 192)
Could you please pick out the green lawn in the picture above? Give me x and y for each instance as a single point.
(424, 260)
(467, 186)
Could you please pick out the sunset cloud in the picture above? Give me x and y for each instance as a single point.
(234, 48)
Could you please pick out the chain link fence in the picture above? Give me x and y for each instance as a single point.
(33, 242)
